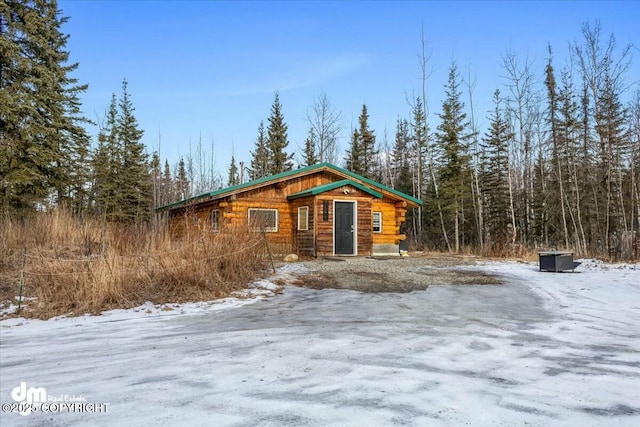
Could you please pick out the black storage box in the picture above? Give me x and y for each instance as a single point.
(556, 261)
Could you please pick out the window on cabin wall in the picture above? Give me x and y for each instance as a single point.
(377, 222)
(303, 218)
(263, 219)
(215, 220)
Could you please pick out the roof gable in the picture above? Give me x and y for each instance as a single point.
(376, 184)
(292, 174)
(332, 186)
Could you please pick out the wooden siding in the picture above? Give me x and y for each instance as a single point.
(303, 241)
(324, 229)
(365, 226)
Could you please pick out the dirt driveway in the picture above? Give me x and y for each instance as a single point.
(394, 274)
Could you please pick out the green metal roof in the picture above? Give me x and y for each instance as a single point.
(236, 188)
(374, 183)
(277, 177)
(332, 186)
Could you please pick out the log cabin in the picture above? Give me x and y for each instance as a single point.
(318, 210)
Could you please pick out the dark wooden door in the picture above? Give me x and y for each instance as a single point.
(344, 228)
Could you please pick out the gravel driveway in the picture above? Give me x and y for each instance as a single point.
(393, 274)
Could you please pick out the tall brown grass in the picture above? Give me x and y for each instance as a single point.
(74, 266)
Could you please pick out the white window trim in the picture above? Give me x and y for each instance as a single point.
(304, 209)
(267, 229)
(215, 227)
(374, 221)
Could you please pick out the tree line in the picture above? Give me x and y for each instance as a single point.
(556, 166)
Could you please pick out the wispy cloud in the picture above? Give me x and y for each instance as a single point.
(249, 75)
(295, 72)
(318, 70)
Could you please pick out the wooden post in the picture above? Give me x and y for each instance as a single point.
(264, 236)
(24, 263)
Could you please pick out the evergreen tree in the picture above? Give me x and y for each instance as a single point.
(107, 170)
(555, 199)
(277, 140)
(353, 160)
(135, 187)
(260, 158)
(361, 157)
(234, 178)
(309, 154)
(614, 147)
(122, 180)
(368, 145)
(168, 192)
(562, 204)
(43, 144)
(423, 167)
(403, 180)
(183, 189)
(156, 178)
(455, 172)
(495, 182)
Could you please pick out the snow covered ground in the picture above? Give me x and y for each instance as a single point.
(542, 349)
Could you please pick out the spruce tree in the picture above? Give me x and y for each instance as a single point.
(233, 178)
(368, 145)
(455, 172)
(61, 93)
(615, 146)
(401, 165)
(135, 187)
(423, 165)
(495, 181)
(122, 180)
(107, 167)
(353, 155)
(277, 140)
(403, 179)
(167, 193)
(260, 156)
(361, 158)
(183, 187)
(556, 207)
(44, 146)
(309, 153)
(156, 178)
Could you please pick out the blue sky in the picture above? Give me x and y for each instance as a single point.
(209, 70)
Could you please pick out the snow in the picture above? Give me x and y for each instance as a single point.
(255, 291)
(541, 349)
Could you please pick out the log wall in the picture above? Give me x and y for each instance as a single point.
(303, 241)
(318, 239)
(393, 215)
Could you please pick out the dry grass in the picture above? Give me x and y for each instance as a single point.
(504, 251)
(75, 266)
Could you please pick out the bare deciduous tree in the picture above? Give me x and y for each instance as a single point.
(326, 124)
